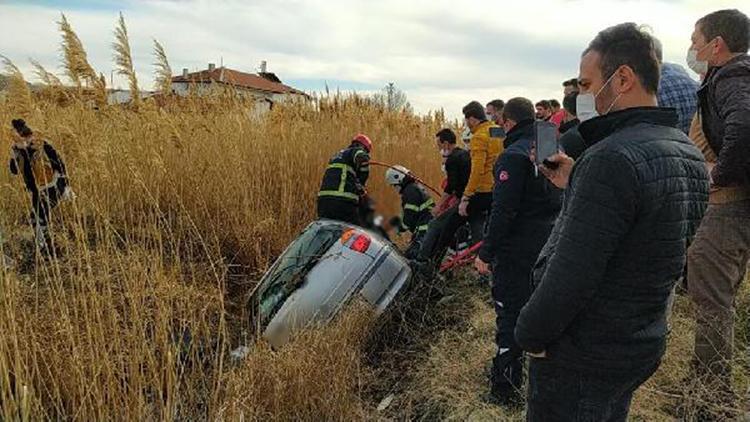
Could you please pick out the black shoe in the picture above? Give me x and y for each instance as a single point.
(503, 393)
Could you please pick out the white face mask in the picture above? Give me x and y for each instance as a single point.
(698, 66)
(466, 137)
(586, 103)
(586, 107)
(445, 152)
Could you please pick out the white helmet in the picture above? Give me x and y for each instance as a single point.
(395, 175)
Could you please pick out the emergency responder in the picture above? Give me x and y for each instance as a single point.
(416, 207)
(44, 176)
(524, 207)
(342, 193)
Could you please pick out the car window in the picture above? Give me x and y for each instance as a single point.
(290, 270)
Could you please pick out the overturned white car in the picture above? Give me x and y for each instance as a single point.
(328, 265)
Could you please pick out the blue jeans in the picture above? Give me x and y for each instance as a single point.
(560, 393)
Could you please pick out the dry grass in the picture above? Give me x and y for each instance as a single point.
(178, 209)
(180, 205)
(321, 376)
(124, 60)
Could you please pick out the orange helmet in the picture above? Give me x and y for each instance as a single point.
(363, 140)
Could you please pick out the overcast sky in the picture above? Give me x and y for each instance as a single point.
(441, 53)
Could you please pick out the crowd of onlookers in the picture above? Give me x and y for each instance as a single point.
(651, 185)
(651, 188)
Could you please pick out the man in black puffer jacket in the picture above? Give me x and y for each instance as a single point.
(524, 207)
(596, 322)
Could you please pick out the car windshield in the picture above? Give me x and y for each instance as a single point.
(292, 267)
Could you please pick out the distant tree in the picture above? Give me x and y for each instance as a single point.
(395, 99)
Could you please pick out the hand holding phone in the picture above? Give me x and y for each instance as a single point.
(545, 143)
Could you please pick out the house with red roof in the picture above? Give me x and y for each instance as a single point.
(265, 87)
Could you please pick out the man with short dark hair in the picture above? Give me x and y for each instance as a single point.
(543, 110)
(571, 142)
(457, 168)
(569, 108)
(486, 146)
(570, 86)
(676, 90)
(524, 207)
(494, 111)
(718, 257)
(596, 322)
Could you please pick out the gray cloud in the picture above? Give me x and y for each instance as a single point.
(440, 52)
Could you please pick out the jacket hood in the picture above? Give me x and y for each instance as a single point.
(598, 128)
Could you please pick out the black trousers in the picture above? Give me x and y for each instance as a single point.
(42, 204)
(412, 251)
(558, 392)
(340, 210)
(511, 288)
(442, 229)
(44, 201)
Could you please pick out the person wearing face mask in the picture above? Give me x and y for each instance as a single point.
(717, 258)
(524, 207)
(486, 146)
(571, 141)
(596, 322)
(457, 168)
(416, 207)
(570, 120)
(570, 86)
(494, 110)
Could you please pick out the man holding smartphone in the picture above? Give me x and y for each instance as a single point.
(596, 323)
(524, 207)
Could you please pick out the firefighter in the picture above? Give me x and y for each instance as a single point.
(416, 207)
(44, 175)
(342, 195)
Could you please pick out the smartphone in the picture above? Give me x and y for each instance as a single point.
(497, 132)
(545, 143)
